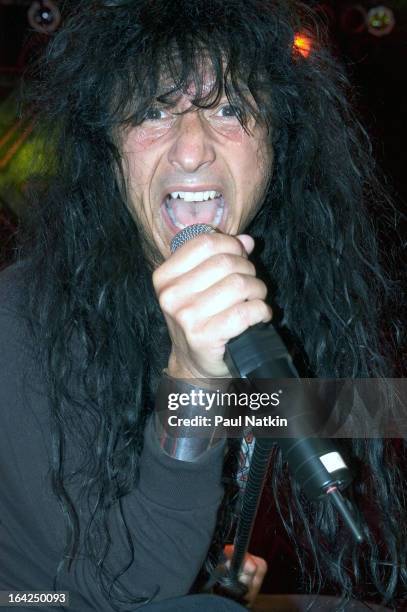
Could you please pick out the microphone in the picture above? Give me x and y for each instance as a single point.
(259, 353)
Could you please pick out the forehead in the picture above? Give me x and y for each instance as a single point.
(204, 80)
(207, 85)
(205, 88)
(196, 81)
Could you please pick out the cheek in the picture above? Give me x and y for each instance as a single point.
(141, 157)
(140, 139)
(145, 139)
(138, 162)
(255, 165)
(234, 133)
(255, 169)
(133, 170)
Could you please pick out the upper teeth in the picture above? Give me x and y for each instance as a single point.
(195, 196)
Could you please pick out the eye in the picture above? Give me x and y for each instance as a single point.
(228, 112)
(155, 114)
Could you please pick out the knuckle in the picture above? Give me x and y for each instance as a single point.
(251, 312)
(238, 281)
(263, 311)
(260, 308)
(156, 278)
(241, 314)
(224, 261)
(207, 242)
(183, 317)
(268, 311)
(262, 289)
(166, 299)
(217, 243)
(250, 267)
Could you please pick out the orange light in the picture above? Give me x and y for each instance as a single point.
(303, 44)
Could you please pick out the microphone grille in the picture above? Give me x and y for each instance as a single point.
(189, 232)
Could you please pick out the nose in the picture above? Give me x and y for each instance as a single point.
(192, 148)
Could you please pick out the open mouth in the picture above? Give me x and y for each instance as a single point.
(185, 208)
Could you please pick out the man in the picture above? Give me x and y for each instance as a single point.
(168, 114)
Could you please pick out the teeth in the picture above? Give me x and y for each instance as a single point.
(172, 217)
(218, 215)
(216, 220)
(195, 196)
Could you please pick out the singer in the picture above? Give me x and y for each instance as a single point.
(159, 115)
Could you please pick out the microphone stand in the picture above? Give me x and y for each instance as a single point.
(250, 503)
(251, 500)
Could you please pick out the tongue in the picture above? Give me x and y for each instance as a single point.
(189, 213)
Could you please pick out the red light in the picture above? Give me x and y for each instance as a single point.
(303, 44)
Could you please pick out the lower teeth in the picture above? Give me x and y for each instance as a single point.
(172, 216)
(215, 221)
(218, 215)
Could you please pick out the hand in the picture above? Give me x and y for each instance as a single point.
(209, 293)
(252, 575)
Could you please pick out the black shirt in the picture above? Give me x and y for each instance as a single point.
(171, 513)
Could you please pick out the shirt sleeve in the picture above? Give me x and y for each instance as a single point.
(172, 513)
(169, 516)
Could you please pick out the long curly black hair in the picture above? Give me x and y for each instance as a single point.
(91, 292)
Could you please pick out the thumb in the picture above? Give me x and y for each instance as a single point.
(247, 241)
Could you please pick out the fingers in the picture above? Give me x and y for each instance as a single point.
(232, 290)
(252, 574)
(235, 320)
(254, 570)
(195, 252)
(216, 330)
(203, 276)
(209, 293)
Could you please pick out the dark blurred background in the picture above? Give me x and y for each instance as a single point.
(369, 37)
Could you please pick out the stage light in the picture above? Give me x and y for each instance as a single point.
(44, 16)
(380, 20)
(303, 44)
